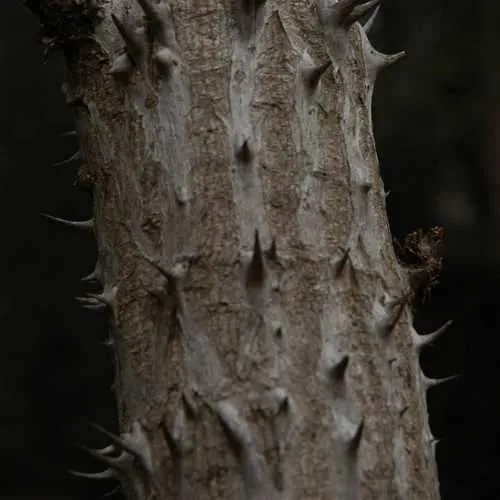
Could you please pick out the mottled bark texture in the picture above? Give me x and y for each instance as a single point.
(263, 337)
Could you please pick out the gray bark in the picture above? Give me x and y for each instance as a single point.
(263, 337)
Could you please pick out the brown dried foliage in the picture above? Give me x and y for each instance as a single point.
(421, 253)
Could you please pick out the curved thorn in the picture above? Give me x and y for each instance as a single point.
(83, 224)
(106, 450)
(120, 442)
(74, 157)
(95, 275)
(345, 12)
(114, 462)
(432, 382)
(105, 474)
(371, 20)
(360, 10)
(389, 59)
(312, 76)
(422, 341)
(111, 492)
(88, 304)
(387, 313)
(107, 297)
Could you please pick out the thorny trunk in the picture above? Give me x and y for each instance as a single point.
(264, 344)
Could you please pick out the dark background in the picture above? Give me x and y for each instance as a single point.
(437, 121)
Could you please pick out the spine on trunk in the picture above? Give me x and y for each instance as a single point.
(260, 320)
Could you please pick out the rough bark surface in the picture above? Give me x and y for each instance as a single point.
(264, 344)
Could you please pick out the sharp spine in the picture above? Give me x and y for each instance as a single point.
(74, 157)
(105, 474)
(312, 76)
(84, 224)
(256, 271)
(422, 341)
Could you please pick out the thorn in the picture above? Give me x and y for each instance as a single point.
(389, 59)
(166, 60)
(95, 275)
(433, 442)
(359, 11)
(133, 443)
(106, 450)
(189, 405)
(272, 251)
(159, 267)
(277, 329)
(284, 405)
(172, 277)
(337, 371)
(371, 20)
(375, 60)
(105, 474)
(256, 271)
(355, 441)
(117, 440)
(338, 266)
(69, 133)
(121, 65)
(172, 443)
(87, 304)
(386, 313)
(84, 224)
(122, 442)
(403, 410)
(235, 428)
(112, 492)
(311, 77)
(344, 13)
(74, 157)
(422, 341)
(114, 462)
(366, 187)
(432, 382)
(134, 44)
(244, 154)
(280, 401)
(107, 297)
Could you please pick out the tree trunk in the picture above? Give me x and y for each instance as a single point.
(263, 337)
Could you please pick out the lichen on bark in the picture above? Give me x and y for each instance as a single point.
(263, 339)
